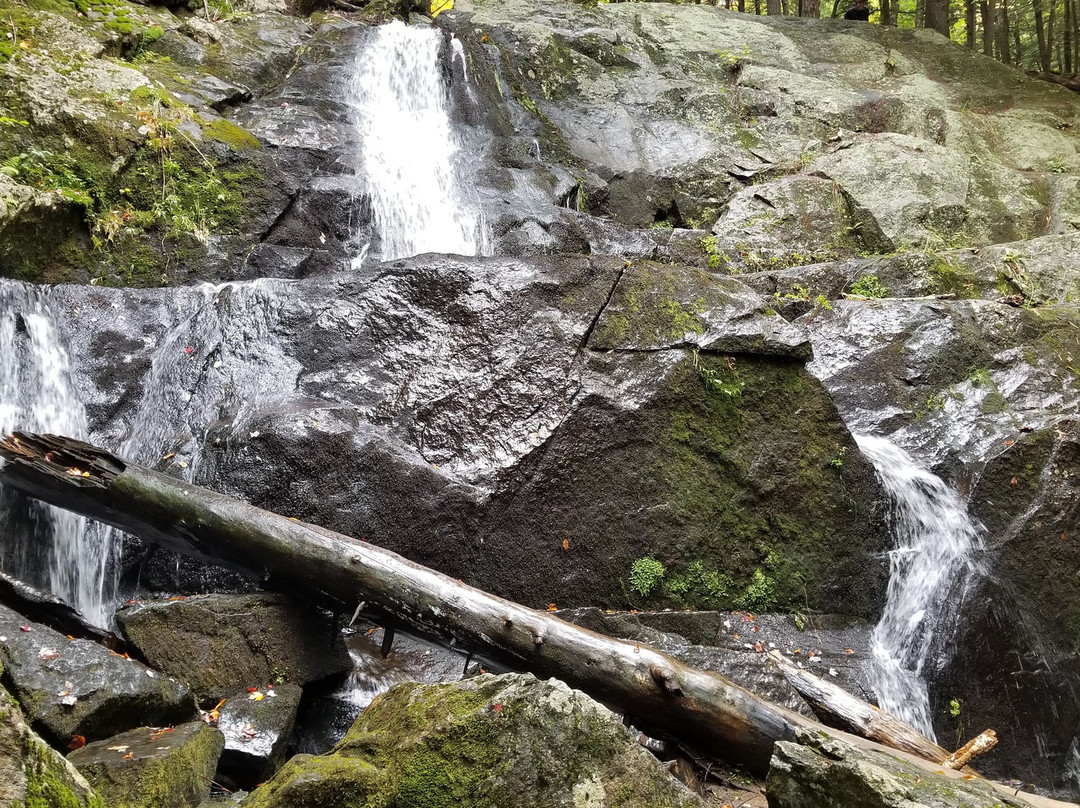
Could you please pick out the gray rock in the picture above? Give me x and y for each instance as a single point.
(256, 727)
(220, 644)
(31, 772)
(824, 772)
(76, 687)
(164, 767)
(507, 741)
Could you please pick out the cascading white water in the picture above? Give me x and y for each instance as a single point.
(37, 394)
(931, 562)
(409, 151)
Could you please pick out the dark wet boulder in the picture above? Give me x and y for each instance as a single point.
(1020, 626)
(33, 774)
(256, 727)
(77, 687)
(509, 741)
(823, 772)
(152, 767)
(220, 644)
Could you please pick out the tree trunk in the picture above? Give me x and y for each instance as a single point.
(1072, 83)
(1003, 34)
(886, 13)
(785, 5)
(1050, 30)
(937, 16)
(742, 6)
(810, 8)
(772, 8)
(1066, 35)
(969, 21)
(987, 8)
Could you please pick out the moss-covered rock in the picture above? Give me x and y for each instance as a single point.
(152, 767)
(32, 774)
(824, 772)
(221, 644)
(507, 741)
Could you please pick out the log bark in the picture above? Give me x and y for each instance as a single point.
(983, 742)
(1065, 81)
(702, 708)
(837, 708)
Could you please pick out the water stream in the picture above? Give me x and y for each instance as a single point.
(410, 155)
(929, 569)
(46, 546)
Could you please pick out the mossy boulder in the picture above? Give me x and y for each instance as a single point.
(32, 774)
(221, 644)
(76, 687)
(152, 767)
(826, 772)
(508, 741)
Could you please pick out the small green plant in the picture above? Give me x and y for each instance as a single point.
(710, 246)
(838, 461)
(800, 621)
(733, 60)
(716, 380)
(759, 595)
(1056, 165)
(823, 302)
(955, 706)
(869, 286)
(695, 586)
(645, 574)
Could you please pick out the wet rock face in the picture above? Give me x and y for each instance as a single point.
(503, 741)
(439, 407)
(76, 687)
(220, 644)
(170, 767)
(1020, 629)
(256, 727)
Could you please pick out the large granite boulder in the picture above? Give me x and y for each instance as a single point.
(508, 741)
(152, 767)
(76, 687)
(438, 407)
(33, 774)
(220, 644)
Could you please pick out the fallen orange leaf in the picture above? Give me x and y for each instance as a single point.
(566, 544)
(552, 607)
(77, 742)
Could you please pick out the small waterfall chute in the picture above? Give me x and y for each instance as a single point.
(410, 155)
(931, 562)
(55, 549)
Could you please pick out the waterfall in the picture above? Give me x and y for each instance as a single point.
(409, 151)
(928, 568)
(45, 546)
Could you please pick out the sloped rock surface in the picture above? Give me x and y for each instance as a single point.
(504, 741)
(32, 773)
(450, 398)
(256, 727)
(220, 644)
(76, 687)
(151, 767)
(820, 771)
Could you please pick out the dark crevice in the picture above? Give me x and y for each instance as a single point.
(600, 312)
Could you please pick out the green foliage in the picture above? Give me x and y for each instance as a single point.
(869, 286)
(838, 461)
(47, 171)
(724, 381)
(709, 246)
(950, 278)
(698, 587)
(645, 574)
(760, 595)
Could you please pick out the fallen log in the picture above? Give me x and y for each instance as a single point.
(983, 742)
(700, 707)
(837, 708)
